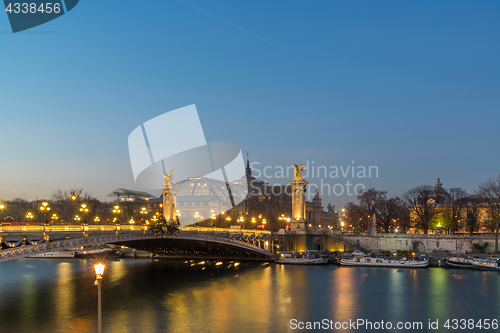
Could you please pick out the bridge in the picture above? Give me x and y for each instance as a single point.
(191, 242)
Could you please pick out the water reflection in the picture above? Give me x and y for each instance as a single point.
(144, 295)
(63, 292)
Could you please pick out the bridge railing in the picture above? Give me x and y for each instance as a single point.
(112, 227)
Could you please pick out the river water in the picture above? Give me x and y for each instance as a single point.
(158, 295)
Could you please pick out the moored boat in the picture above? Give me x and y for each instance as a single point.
(359, 259)
(55, 255)
(459, 262)
(298, 258)
(486, 265)
(96, 253)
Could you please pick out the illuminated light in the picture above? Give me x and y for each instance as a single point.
(236, 264)
(218, 263)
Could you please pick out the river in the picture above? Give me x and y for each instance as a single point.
(159, 295)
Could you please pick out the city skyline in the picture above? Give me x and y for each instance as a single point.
(408, 88)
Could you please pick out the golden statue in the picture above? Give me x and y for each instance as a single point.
(298, 171)
(169, 176)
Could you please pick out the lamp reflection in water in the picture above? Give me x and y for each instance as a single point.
(99, 270)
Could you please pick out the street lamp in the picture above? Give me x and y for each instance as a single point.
(44, 208)
(29, 216)
(54, 217)
(77, 218)
(99, 271)
(84, 209)
(143, 212)
(116, 211)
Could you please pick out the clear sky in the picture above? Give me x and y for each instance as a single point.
(412, 87)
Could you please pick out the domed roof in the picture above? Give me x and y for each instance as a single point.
(207, 187)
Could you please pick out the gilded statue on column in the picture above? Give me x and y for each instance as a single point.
(298, 171)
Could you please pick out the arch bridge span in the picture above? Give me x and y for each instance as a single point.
(206, 243)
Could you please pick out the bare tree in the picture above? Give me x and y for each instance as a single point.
(388, 211)
(455, 205)
(403, 220)
(489, 191)
(423, 202)
(356, 216)
(67, 202)
(368, 200)
(18, 208)
(472, 210)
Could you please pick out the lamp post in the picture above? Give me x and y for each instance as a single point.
(143, 212)
(84, 209)
(45, 208)
(99, 270)
(29, 216)
(117, 212)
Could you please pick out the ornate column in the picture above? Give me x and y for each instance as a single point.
(169, 197)
(298, 222)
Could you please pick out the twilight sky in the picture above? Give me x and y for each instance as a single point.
(411, 87)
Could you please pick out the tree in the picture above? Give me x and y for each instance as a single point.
(489, 192)
(472, 210)
(423, 202)
(369, 200)
(64, 204)
(388, 211)
(356, 216)
(454, 207)
(404, 219)
(18, 208)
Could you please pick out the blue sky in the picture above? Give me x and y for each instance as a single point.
(411, 87)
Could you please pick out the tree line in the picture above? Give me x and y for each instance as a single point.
(424, 208)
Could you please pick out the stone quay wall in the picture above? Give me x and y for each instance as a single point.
(462, 243)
